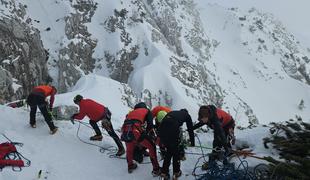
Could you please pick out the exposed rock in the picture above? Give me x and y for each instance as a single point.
(5, 86)
(196, 78)
(294, 58)
(22, 58)
(122, 67)
(120, 64)
(75, 59)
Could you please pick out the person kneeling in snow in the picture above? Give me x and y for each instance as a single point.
(223, 125)
(97, 112)
(37, 98)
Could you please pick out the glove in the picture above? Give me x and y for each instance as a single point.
(72, 118)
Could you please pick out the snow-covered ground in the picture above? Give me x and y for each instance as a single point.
(63, 156)
(270, 92)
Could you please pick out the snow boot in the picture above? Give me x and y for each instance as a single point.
(132, 167)
(205, 166)
(164, 176)
(177, 174)
(33, 125)
(54, 131)
(120, 152)
(156, 172)
(96, 138)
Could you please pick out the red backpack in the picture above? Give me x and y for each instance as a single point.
(10, 157)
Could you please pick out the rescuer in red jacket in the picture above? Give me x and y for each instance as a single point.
(97, 112)
(134, 133)
(37, 98)
(223, 125)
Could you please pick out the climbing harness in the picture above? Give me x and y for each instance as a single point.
(9, 156)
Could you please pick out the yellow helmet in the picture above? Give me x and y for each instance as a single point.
(160, 116)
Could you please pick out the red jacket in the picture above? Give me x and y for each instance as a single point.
(90, 108)
(138, 114)
(156, 109)
(47, 91)
(143, 115)
(223, 116)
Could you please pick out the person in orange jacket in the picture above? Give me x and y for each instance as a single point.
(134, 134)
(223, 125)
(97, 112)
(37, 98)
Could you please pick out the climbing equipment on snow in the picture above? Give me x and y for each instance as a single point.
(9, 156)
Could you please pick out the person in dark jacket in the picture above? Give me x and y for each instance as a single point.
(134, 133)
(97, 112)
(223, 125)
(157, 109)
(163, 111)
(37, 98)
(170, 134)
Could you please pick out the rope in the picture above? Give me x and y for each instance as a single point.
(15, 143)
(222, 171)
(110, 149)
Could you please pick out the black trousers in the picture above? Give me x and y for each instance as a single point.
(95, 126)
(38, 100)
(173, 152)
(107, 125)
(217, 143)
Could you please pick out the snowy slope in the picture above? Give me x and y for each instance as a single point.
(257, 78)
(191, 53)
(63, 156)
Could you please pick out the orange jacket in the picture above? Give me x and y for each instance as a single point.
(137, 114)
(143, 115)
(47, 91)
(90, 108)
(223, 116)
(156, 109)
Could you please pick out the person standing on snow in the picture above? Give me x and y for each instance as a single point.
(155, 112)
(37, 98)
(133, 133)
(223, 125)
(97, 112)
(170, 134)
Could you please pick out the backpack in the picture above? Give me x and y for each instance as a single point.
(127, 130)
(10, 157)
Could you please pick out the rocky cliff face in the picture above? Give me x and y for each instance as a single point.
(23, 57)
(75, 58)
(269, 37)
(117, 39)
